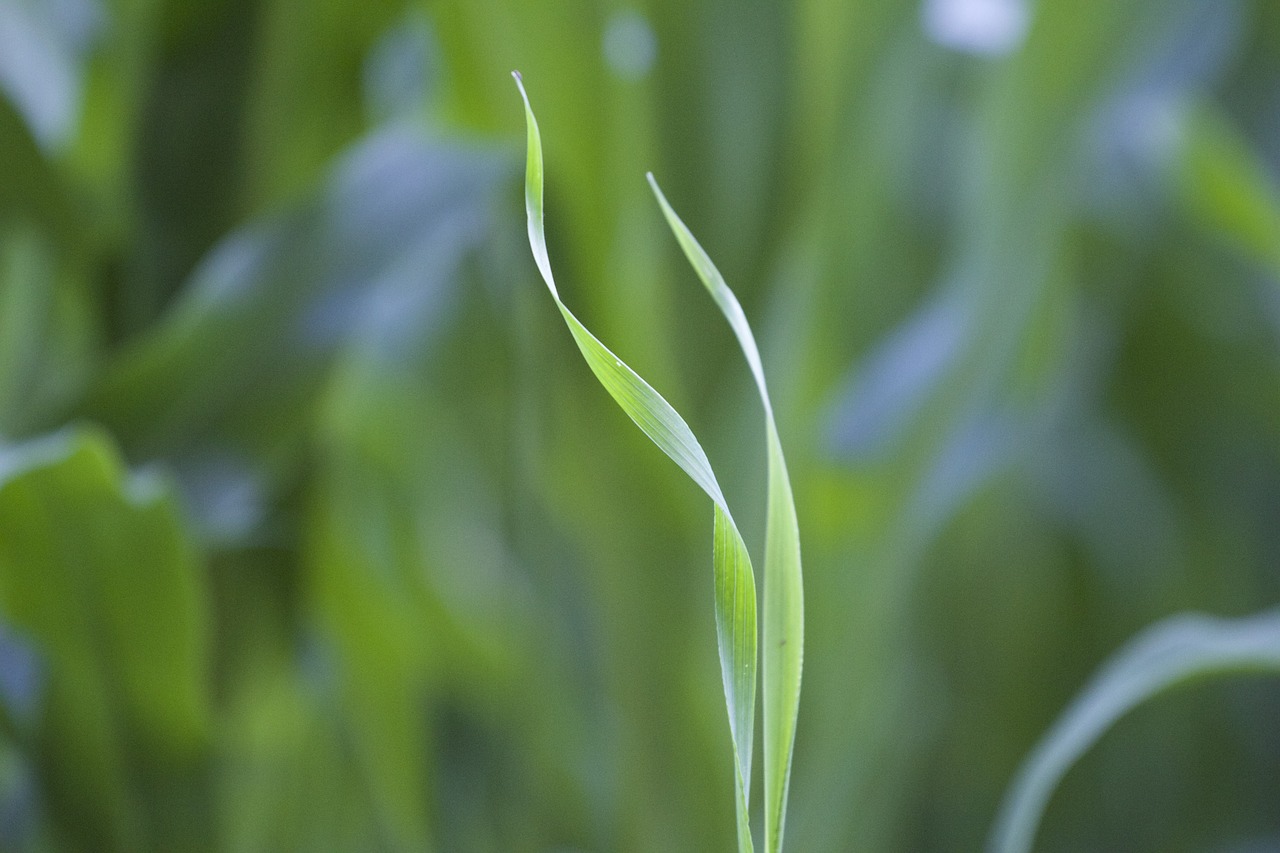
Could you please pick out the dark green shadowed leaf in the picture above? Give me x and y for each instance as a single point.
(735, 595)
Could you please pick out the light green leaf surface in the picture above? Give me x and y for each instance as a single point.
(783, 584)
(1169, 653)
(1227, 188)
(98, 569)
(735, 594)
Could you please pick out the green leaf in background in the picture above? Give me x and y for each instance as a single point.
(343, 295)
(735, 592)
(42, 52)
(25, 297)
(1172, 652)
(254, 243)
(287, 778)
(403, 578)
(1227, 188)
(98, 570)
(26, 831)
(33, 190)
(306, 104)
(372, 256)
(783, 583)
(47, 340)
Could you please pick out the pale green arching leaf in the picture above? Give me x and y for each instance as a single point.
(783, 586)
(1174, 651)
(735, 592)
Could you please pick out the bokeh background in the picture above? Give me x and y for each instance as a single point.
(316, 534)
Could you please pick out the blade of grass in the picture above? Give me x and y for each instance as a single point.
(1172, 652)
(783, 586)
(735, 592)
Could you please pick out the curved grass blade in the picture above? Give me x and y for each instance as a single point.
(735, 591)
(783, 586)
(1172, 652)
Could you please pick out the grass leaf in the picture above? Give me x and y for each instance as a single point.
(99, 570)
(1172, 652)
(735, 592)
(1227, 188)
(783, 587)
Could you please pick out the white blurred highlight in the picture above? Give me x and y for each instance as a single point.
(980, 27)
(630, 46)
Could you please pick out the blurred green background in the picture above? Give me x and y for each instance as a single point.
(316, 534)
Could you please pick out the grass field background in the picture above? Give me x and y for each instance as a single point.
(316, 533)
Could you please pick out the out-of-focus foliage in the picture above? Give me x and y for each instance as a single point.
(1172, 652)
(314, 535)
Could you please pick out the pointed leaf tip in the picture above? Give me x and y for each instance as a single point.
(735, 592)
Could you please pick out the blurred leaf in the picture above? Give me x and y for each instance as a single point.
(22, 682)
(188, 131)
(400, 72)
(25, 293)
(735, 597)
(286, 780)
(432, 628)
(372, 257)
(1135, 130)
(1103, 488)
(1228, 189)
(47, 339)
(97, 568)
(893, 384)
(43, 44)
(409, 567)
(22, 827)
(306, 102)
(1178, 650)
(360, 548)
(32, 190)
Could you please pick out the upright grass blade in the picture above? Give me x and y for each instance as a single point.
(783, 587)
(735, 591)
(1169, 653)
